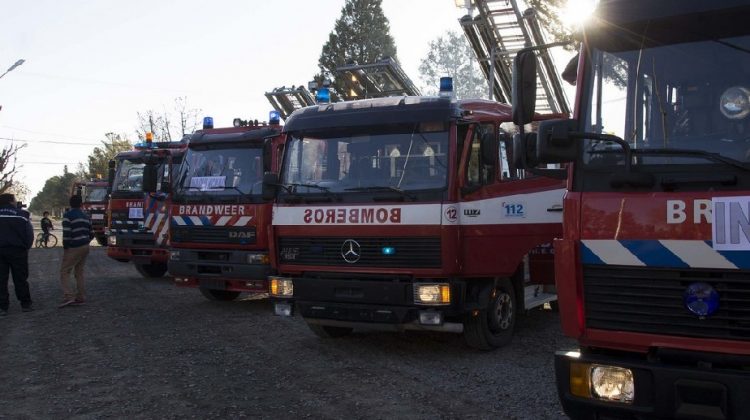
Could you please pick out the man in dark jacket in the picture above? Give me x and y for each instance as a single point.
(16, 237)
(77, 234)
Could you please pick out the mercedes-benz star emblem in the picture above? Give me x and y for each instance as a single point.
(350, 251)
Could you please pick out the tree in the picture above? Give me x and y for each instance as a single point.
(20, 190)
(361, 35)
(548, 13)
(55, 195)
(168, 126)
(98, 160)
(451, 55)
(8, 168)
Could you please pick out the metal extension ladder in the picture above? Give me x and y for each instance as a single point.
(287, 100)
(497, 32)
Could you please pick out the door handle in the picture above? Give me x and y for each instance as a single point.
(555, 208)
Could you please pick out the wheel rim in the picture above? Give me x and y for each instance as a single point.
(501, 315)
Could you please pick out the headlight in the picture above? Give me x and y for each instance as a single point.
(258, 259)
(281, 287)
(609, 383)
(432, 294)
(112, 240)
(735, 103)
(174, 255)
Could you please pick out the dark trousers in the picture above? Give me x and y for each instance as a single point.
(17, 263)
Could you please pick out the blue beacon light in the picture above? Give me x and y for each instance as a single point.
(388, 250)
(208, 123)
(446, 87)
(274, 117)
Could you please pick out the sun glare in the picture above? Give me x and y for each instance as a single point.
(577, 11)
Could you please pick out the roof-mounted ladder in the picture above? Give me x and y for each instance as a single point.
(497, 32)
(376, 80)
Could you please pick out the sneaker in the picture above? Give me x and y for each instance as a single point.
(27, 308)
(78, 302)
(66, 303)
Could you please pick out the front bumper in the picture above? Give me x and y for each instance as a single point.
(661, 390)
(373, 304)
(139, 248)
(219, 270)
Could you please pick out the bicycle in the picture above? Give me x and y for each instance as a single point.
(51, 241)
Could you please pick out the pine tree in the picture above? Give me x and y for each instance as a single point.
(361, 35)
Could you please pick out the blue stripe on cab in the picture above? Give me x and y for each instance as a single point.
(653, 253)
(588, 257)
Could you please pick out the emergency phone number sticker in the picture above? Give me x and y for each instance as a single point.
(513, 209)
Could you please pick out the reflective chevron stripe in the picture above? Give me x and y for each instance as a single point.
(661, 253)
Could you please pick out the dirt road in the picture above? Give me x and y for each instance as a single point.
(146, 349)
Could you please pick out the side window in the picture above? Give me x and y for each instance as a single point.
(505, 150)
(482, 164)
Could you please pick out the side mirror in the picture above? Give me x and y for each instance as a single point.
(166, 187)
(150, 175)
(524, 151)
(110, 175)
(523, 94)
(270, 186)
(554, 142)
(489, 148)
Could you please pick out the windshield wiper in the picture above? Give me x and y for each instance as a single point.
(381, 188)
(292, 189)
(715, 157)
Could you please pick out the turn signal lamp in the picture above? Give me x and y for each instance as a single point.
(208, 123)
(432, 294)
(281, 287)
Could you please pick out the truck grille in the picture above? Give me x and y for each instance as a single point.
(412, 252)
(213, 234)
(650, 300)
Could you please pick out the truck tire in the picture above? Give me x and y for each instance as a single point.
(222, 295)
(101, 240)
(326, 331)
(151, 270)
(493, 326)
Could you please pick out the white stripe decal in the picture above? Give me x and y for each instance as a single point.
(518, 209)
(178, 220)
(196, 220)
(223, 220)
(157, 223)
(697, 254)
(149, 219)
(244, 220)
(612, 252)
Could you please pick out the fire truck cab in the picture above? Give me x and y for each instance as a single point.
(404, 213)
(653, 269)
(95, 200)
(138, 219)
(219, 219)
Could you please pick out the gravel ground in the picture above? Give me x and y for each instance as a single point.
(143, 348)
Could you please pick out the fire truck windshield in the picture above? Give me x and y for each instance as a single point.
(410, 159)
(228, 171)
(682, 95)
(129, 176)
(94, 194)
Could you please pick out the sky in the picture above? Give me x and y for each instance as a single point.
(91, 65)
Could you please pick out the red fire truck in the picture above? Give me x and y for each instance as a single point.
(138, 220)
(403, 213)
(653, 270)
(94, 194)
(219, 224)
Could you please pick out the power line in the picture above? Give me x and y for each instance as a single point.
(46, 133)
(50, 141)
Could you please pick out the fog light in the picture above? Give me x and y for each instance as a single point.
(282, 309)
(174, 255)
(430, 318)
(432, 294)
(112, 240)
(281, 287)
(258, 259)
(612, 383)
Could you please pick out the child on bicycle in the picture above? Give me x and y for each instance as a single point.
(46, 226)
